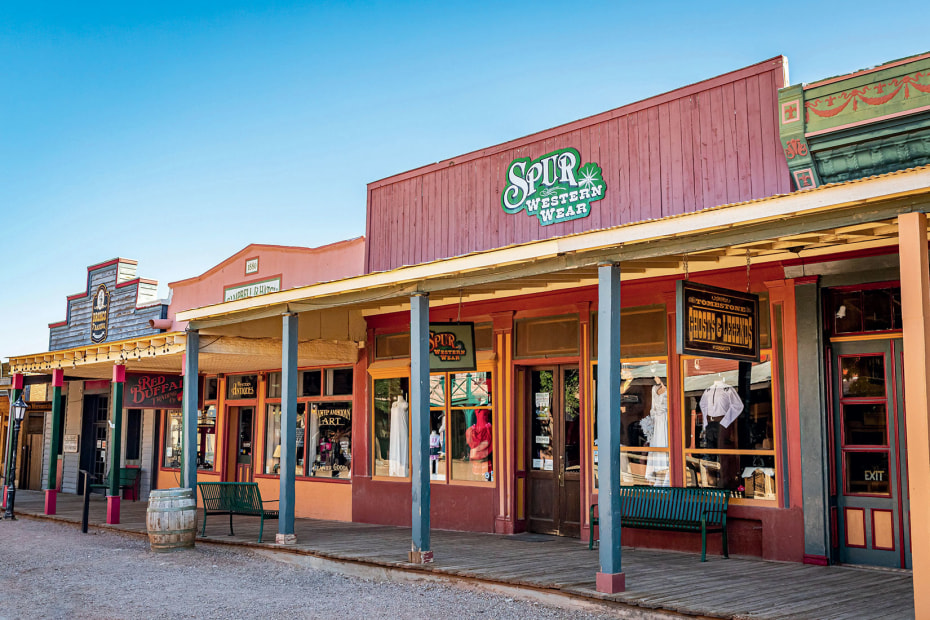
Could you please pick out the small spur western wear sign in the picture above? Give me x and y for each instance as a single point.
(451, 347)
(717, 322)
(554, 188)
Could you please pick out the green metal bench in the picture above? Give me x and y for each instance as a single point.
(234, 498)
(672, 508)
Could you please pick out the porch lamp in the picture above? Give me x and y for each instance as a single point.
(19, 412)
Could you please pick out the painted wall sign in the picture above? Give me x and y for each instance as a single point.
(153, 391)
(70, 443)
(554, 188)
(239, 387)
(251, 266)
(717, 322)
(252, 289)
(100, 314)
(451, 347)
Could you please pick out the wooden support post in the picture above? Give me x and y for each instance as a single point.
(189, 412)
(18, 384)
(610, 579)
(288, 462)
(420, 552)
(915, 311)
(116, 443)
(51, 492)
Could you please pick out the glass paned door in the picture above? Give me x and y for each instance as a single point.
(870, 475)
(554, 468)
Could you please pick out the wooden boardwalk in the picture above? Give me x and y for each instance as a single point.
(658, 580)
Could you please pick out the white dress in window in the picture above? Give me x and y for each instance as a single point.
(399, 450)
(657, 462)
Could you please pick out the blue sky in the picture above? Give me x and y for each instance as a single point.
(176, 133)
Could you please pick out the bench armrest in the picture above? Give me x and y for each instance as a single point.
(270, 501)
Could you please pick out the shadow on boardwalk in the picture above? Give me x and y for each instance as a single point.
(656, 580)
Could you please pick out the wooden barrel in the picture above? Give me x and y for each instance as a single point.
(171, 519)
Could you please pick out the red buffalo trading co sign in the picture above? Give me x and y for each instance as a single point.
(153, 391)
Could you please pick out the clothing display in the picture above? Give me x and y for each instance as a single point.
(399, 449)
(657, 462)
(721, 400)
(478, 437)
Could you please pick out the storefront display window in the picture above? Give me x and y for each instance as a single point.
(390, 444)
(730, 426)
(329, 440)
(206, 438)
(273, 439)
(470, 442)
(644, 424)
(172, 439)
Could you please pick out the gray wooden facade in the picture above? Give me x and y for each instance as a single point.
(133, 303)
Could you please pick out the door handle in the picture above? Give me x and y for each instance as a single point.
(561, 475)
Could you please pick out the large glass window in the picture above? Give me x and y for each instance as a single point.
(206, 438)
(172, 439)
(329, 439)
(730, 426)
(644, 423)
(391, 427)
(461, 446)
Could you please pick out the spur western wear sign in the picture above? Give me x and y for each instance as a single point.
(717, 322)
(451, 347)
(554, 188)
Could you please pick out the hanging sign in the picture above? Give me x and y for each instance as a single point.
(153, 391)
(100, 314)
(252, 289)
(555, 188)
(451, 347)
(717, 322)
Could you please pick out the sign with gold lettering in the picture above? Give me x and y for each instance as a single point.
(239, 387)
(100, 314)
(717, 322)
(451, 347)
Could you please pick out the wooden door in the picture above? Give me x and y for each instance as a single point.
(244, 442)
(868, 431)
(553, 434)
(35, 462)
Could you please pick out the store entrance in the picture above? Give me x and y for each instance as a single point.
(95, 433)
(241, 427)
(554, 438)
(870, 463)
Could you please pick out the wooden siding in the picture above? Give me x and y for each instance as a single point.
(126, 319)
(74, 412)
(711, 143)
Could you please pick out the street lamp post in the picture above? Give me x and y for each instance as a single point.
(19, 412)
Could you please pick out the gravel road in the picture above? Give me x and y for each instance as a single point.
(49, 570)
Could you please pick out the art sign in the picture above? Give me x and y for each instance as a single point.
(451, 347)
(252, 289)
(153, 391)
(100, 314)
(717, 322)
(554, 188)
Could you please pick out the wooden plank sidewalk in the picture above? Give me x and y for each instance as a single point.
(656, 580)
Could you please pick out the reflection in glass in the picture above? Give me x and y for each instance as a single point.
(173, 438)
(391, 427)
(541, 458)
(865, 424)
(746, 475)
(863, 376)
(571, 459)
(273, 439)
(329, 439)
(867, 472)
(471, 434)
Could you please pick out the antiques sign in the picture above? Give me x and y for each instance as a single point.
(451, 347)
(153, 391)
(100, 314)
(241, 386)
(252, 289)
(717, 322)
(554, 188)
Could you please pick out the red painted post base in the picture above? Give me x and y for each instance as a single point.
(112, 509)
(4, 496)
(611, 583)
(420, 557)
(816, 560)
(51, 501)
(285, 539)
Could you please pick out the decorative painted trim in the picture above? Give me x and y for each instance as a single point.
(804, 179)
(875, 544)
(840, 78)
(870, 95)
(867, 121)
(846, 511)
(791, 111)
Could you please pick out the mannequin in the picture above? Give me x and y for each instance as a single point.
(399, 450)
(434, 444)
(657, 462)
